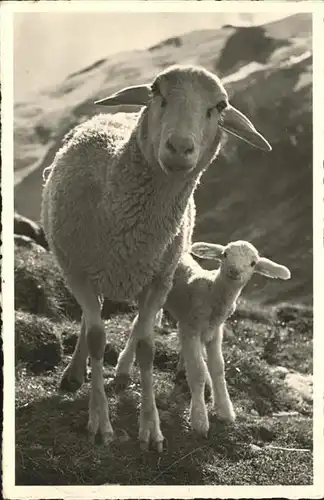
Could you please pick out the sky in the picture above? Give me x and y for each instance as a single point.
(50, 45)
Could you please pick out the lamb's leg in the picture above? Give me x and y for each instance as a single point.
(96, 341)
(180, 377)
(73, 375)
(196, 369)
(216, 367)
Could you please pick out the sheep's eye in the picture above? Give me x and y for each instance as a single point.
(253, 263)
(224, 255)
(221, 106)
(163, 102)
(155, 88)
(209, 112)
(156, 91)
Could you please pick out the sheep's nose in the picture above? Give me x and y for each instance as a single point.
(179, 145)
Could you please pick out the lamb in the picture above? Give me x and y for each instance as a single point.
(201, 301)
(118, 213)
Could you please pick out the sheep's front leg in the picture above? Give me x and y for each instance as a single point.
(141, 344)
(216, 367)
(96, 341)
(196, 370)
(149, 422)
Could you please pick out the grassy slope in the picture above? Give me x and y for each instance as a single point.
(51, 438)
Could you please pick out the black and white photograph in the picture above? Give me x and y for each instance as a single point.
(162, 242)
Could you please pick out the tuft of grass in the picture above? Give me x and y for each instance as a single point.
(290, 342)
(291, 313)
(36, 342)
(253, 311)
(40, 287)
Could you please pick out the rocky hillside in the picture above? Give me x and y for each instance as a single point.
(265, 198)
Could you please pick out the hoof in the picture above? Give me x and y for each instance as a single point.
(155, 445)
(201, 433)
(107, 437)
(230, 418)
(226, 414)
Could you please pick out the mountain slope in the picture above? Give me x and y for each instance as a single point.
(265, 198)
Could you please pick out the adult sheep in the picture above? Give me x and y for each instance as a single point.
(118, 212)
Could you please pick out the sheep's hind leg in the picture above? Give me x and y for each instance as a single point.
(96, 341)
(216, 367)
(126, 361)
(180, 369)
(74, 374)
(126, 358)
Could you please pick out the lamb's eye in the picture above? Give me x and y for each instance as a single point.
(224, 255)
(221, 106)
(253, 263)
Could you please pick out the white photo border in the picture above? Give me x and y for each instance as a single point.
(10, 490)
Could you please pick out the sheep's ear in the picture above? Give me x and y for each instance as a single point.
(271, 269)
(138, 95)
(211, 251)
(236, 123)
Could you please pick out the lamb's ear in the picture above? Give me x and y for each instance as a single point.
(138, 95)
(207, 250)
(271, 269)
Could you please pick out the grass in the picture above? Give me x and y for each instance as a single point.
(270, 443)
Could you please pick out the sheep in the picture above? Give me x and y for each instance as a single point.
(118, 212)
